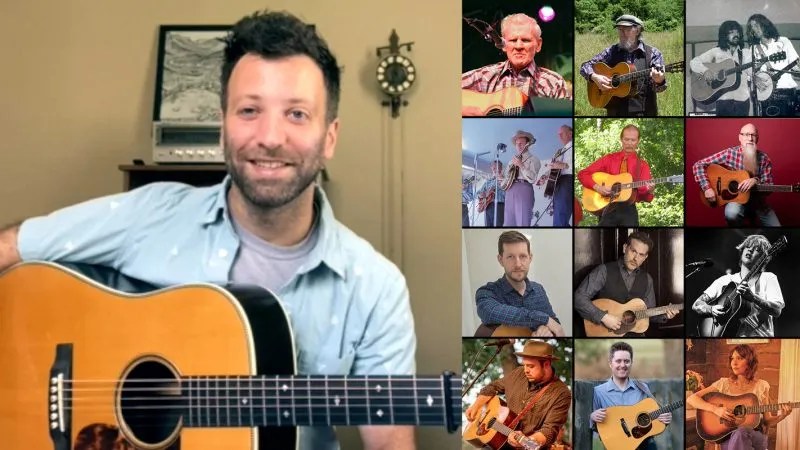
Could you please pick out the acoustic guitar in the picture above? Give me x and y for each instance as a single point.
(490, 428)
(634, 314)
(626, 427)
(193, 367)
(508, 101)
(622, 75)
(746, 411)
(725, 184)
(621, 187)
(725, 77)
(502, 331)
(736, 311)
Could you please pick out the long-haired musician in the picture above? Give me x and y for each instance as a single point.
(742, 380)
(520, 175)
(766, 41)
(761, 293)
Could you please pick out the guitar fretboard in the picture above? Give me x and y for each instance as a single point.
(636, 184)
(775, 188)
(666, 409)
(645, 73)
(319, 400)
(644, 313)
(772, 407)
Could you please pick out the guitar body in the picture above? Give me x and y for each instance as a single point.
(229, 332)
(577, 211)
(479, 432)
(711, 427)
(727, 324)
(725, 184)
(593, 201)
(705, 92)
(502, 331)
(600, 99)
(483, 202)
(638, 423)
(625, 311)
(509, 101)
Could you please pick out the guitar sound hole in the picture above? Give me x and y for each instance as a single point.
(615, 81)
(150, 399)
(643, 420)
(628, 317)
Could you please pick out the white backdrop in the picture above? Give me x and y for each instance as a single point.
(551, 267)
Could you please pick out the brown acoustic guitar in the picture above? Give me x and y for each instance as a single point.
(626, 427)
(502, 331)
(746, 411)
(621, 186)
(193, 367)
(490, 428)
(622, 75)
(509, 101)
(634, 315)
(726, 182)
(725, 77)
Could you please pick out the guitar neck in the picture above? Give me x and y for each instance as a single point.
(772, 407)
(775, 187)
(666, 409)
(636, 184)
(319, 400)
(650, 312)
(644, 73)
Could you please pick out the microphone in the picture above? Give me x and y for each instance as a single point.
(704, 263)
(483, 153)
(501, 147)
(499, 343)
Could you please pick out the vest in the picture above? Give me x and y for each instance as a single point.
(643, 98)
(615, 286)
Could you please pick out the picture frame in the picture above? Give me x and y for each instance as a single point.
(187, 87)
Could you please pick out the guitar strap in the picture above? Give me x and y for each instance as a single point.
(640, 385)
(528, 407)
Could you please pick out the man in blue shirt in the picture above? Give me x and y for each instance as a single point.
(621, 390)
(515, 300)
(268, 223)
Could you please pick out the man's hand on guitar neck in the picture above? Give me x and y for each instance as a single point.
(602, 81)
(665, 418)
(657, 75)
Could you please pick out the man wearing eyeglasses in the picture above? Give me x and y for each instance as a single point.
(744, 156)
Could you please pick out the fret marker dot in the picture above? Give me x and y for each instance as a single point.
(429, 401)
(336, 400)
(285, 388)
(378, 388)
(379, 413)
(244, 401)
(286, 414)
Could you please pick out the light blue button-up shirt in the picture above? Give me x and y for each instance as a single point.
(348, 305)
(609, 394)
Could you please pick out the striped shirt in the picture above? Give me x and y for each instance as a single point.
(549, 413)
(534, 81)
(733, 159)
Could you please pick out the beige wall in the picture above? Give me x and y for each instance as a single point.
(76, 94)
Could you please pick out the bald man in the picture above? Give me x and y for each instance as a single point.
(522, 39)
(745, 156)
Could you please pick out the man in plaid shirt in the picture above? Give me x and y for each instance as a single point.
(522, 39)
(742, 157)
(514, 299)
(630, 49)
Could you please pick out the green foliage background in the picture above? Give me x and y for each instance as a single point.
(597, 16)
(473, 350)
(660, 144)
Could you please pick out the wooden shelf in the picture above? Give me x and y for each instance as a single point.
(193, 174)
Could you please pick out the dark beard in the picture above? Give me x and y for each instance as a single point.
(273, 195)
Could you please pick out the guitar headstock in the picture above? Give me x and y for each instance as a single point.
(674, 67)
(796, 187)
(778, 246)
(675, 179)
(777, 56)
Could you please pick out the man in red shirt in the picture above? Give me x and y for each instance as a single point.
(625, 160)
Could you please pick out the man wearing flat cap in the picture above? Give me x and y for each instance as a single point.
(521, 174)
(630, 49)
(534, 392)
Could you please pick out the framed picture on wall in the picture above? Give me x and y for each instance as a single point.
(188, 73)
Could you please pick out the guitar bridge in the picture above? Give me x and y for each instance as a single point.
(624, 427)
(59, 398)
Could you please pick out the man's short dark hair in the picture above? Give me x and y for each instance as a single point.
(511, 237)
(724, 29)
(641, 237)
(619, 346)
(274, 35)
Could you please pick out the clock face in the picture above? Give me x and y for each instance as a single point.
(396, 74)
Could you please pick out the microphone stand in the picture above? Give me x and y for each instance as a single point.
(501, 148)
(474, 182)
(753, 88)
(696, 269)
(482, 371)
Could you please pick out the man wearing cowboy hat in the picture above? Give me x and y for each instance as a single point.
(630, 49)
(534, 391)
(521, 172)
(622, 390)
